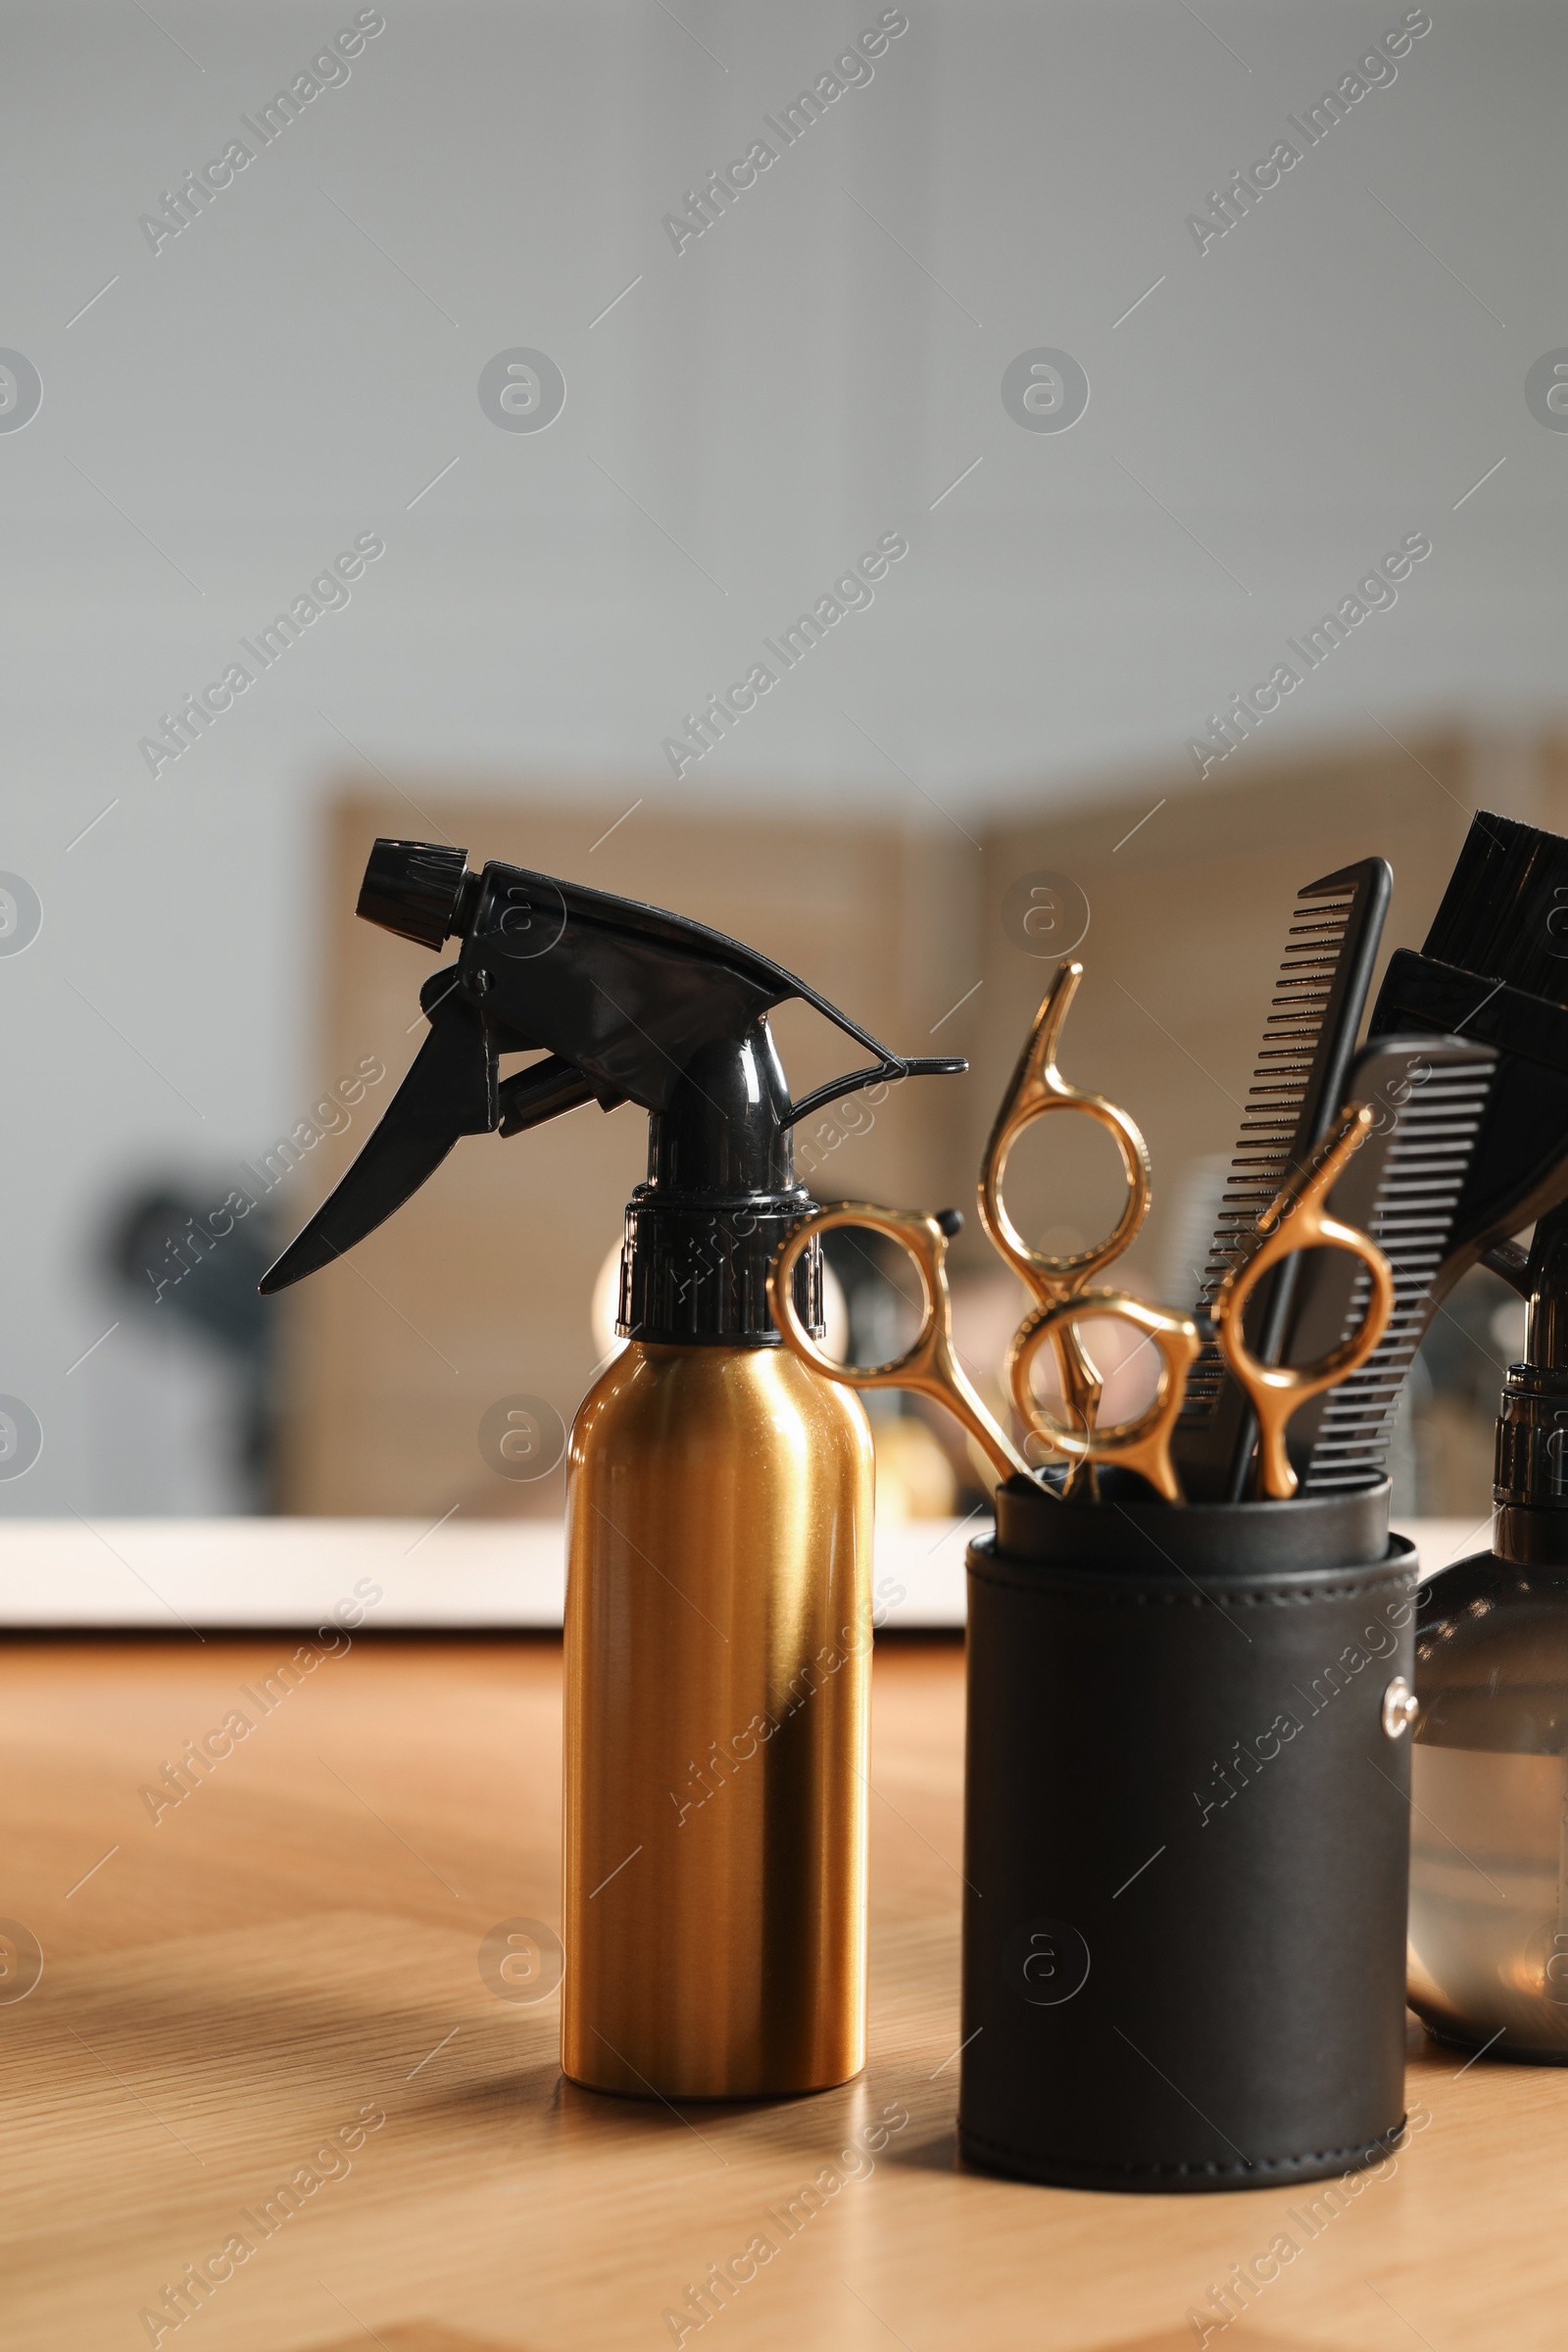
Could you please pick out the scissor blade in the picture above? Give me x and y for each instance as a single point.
(448, 1093)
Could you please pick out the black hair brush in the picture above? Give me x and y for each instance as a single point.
(1494, 968)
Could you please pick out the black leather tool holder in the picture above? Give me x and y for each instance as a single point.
(1186, 1837)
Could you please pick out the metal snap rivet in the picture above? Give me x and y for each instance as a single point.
(1400, 1707)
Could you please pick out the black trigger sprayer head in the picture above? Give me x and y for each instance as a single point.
(623, 1002)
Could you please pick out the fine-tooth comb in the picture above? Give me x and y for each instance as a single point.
(1401, 1187)
(1298, 1086)
(1494, 966)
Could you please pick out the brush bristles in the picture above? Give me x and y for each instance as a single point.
(1504, 914)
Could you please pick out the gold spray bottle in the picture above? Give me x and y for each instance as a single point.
(718, 1643)
(719, 1491)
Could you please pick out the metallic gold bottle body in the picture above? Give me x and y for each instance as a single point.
(717, 1654)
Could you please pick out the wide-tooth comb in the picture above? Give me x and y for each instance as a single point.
(1298, 1086)
(1401, 1187)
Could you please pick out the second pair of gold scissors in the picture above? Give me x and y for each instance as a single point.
(1066, 1295)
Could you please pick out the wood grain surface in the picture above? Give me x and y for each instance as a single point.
(233, 1992)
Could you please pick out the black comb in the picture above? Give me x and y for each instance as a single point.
(1496, 966)
(1403, 1187)
(1308, 1037)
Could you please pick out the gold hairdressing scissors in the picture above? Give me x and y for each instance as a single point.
(1065, 1294)
(1295, 1219)
(1038, 1088)
(929, 1365)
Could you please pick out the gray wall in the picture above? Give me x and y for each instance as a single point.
(756, 410)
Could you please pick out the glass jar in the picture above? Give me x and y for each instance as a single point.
(1489, 1842)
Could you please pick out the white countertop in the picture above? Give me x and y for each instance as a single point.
(151, 1574)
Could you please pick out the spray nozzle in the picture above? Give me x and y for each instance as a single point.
(620, 1003)
(416, 889)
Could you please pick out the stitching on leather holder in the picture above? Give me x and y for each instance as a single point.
(1386, 2143)
(1106, 1590)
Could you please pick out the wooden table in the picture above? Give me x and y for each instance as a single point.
(293, 1950)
